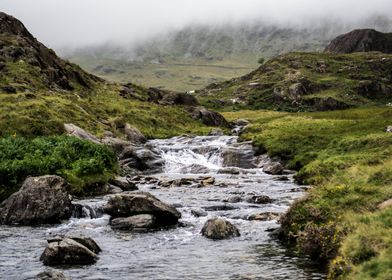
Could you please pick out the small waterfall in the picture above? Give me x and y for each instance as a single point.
(89, 211)
(204, 154)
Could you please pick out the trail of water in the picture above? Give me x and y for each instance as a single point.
(181, 252)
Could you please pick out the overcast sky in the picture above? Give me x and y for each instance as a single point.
(60, 23)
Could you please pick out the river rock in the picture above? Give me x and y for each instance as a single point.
(216, 132)
(274, 168)
(218, 228)
(131, 204)
(199, 213)
(207, 181)
(123, 183)
(208, 117)
(40, 200)
(67, 252)
(134, 135)
(267, 216)
(137, 222)
(80, 133)
(260, 199)
(51, 275)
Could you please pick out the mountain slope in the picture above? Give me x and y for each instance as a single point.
(39, 92)
(307, 82)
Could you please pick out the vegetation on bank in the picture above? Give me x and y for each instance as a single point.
(307, 82)
(31, 114)
(347, 156)
(83, 164)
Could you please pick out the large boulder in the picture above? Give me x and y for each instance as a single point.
(218, 228)
(80, 133)
(40, 200)
(131, 204)
(68, 251)
(207, 117)
(134, 135)
(273, 168)
(361, 40)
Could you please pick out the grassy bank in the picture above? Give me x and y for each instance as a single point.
(32, 114)
(83, 164)
(347, 157)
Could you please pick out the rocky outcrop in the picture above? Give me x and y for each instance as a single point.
(140, 203)
(217, 229)
(40, 200)
(207, 117)
(70, 251)
(80, 133)
(165, 97)
(17, 44)
(361, 40)
(51, 275)
(134, 135)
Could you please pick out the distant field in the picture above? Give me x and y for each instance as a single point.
(172, 75)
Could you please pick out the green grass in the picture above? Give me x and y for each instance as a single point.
(331, 81)
(44, 113)
(347, 157)
(83, 164)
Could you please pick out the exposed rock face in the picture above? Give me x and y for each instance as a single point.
(166, 97)
(219, 229)
(361, 40)
(134, 135)
(40, 200)
(80, 133)
(18, 44)
(208, 117)
(68, 251)
(51, 275)
(138, 203)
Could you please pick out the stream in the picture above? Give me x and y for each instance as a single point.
(180, 252)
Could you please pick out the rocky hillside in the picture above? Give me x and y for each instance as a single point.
(361, 40)
(199, 54)
(25, 63)
(308, 82)
(39, 92)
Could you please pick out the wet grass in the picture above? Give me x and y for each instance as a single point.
(347, 157)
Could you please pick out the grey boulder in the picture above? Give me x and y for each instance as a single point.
(218, 228)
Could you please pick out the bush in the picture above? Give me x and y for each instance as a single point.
(81, 163)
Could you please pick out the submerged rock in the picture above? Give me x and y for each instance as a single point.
(68, 251)
(199, 213)
(131, 204)
(218, 228)
(137, 222)
(267, 216)
(51, 275)
(40, 200)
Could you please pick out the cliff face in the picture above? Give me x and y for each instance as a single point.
(42, 68)
(361, 40)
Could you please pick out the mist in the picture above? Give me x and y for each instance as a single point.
(76, 23)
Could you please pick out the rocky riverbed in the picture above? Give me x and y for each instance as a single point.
(197, 179)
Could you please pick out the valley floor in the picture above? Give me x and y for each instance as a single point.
(347, 157)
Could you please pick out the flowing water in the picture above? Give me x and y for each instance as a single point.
(181, 252)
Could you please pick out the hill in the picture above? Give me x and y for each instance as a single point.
(307, 82)
(39, 92)
(196, 55)
(361, 40)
